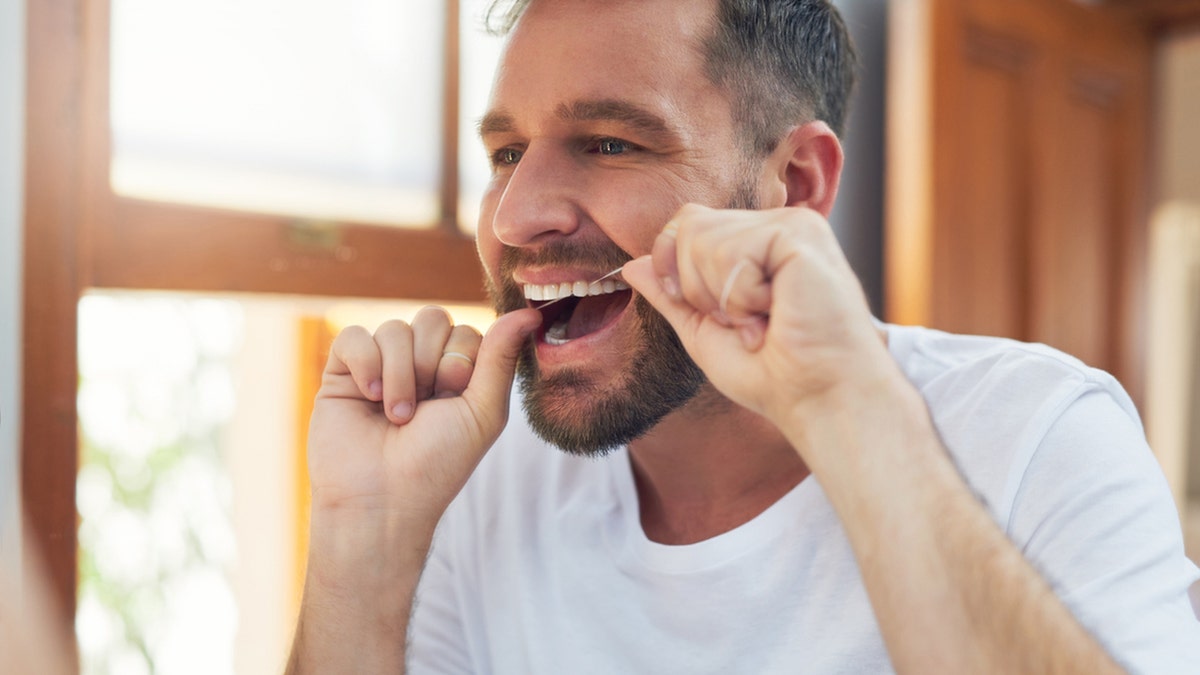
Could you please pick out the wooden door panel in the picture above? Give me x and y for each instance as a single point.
(979, 248)
(1016, 174)
(1074, 244)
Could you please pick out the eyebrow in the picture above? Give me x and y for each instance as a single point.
(604, 110)
(614, 110)
(495, 122)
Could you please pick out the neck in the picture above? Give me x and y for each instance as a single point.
(708, 468)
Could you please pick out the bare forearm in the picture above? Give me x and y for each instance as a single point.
(951, 593)
(358, 596)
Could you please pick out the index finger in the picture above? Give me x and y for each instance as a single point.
(354, 354)
(662, 256)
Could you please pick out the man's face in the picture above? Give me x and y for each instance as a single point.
(601, 125)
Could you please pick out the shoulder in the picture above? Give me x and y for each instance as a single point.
(995, 401)
(1002, 382)
(1056, 451)
(938, 363)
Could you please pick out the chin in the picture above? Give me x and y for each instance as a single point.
(575, 413)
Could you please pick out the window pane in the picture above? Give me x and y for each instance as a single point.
(479, 55)
(192, 489)
(313, 108)
(156, 535)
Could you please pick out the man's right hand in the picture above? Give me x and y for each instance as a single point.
(404, 415)
(400, 422)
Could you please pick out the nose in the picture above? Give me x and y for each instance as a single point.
(539, 199)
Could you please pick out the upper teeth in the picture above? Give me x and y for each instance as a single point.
(577, 288)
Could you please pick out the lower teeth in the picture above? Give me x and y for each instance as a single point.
(557, 334)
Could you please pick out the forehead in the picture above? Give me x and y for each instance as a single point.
(646, 52)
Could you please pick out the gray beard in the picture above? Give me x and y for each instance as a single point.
(582, 418)
(570, 411)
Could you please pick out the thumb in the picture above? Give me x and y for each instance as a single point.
(491, 382)
(639, 274)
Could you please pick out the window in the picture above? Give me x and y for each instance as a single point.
(136, 173)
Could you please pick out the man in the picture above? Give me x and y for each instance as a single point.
(758, 477)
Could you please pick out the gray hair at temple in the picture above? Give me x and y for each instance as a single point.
(782, 62)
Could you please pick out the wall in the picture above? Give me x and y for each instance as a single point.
(858, 215)
(12, 78)
(1179, 172)
(1179, 105)
(1178, 180)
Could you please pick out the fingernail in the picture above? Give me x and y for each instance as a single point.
(669, 287)
(375, 389)
(402, 410)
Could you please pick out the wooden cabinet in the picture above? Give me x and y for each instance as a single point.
(1017, 166)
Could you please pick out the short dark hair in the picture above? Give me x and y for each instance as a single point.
(780, 61)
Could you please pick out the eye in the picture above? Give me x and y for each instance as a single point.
(506, 157)
(611, 146)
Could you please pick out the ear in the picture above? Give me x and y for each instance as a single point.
(807, 168)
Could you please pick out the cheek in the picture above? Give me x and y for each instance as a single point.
(489, 255)
(635, 217)
(486, 243)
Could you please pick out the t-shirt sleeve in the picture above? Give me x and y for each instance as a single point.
(1094, 514)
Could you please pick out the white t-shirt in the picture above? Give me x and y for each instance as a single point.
(541, 564)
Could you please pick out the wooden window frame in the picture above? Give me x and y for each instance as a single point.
(79, 235)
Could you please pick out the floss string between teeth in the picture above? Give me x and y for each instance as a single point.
(590, 284)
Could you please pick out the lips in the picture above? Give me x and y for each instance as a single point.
(575, 309)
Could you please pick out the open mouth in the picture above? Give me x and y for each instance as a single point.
(571, 310)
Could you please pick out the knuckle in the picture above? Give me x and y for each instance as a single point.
(392, 328)
(350, 335)
(433, 314)
(690, 210)
(727, 253)
(352, 344)
(465, 333)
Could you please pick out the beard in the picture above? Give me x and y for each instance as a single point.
(571, 411)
